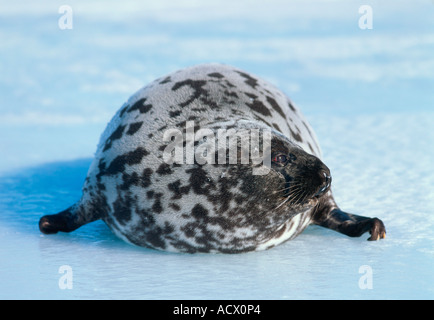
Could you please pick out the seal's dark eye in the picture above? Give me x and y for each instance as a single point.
(283, 159)
(280, 158)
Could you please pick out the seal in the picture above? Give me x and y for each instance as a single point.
(177, 169)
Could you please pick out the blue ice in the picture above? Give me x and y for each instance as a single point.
(367, 93)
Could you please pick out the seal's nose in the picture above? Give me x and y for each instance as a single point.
(326, 182)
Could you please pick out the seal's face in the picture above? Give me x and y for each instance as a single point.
(304, 176)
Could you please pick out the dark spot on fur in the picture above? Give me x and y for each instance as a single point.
(165, 80)
(275, 106)
(196, 85)
(129, 180)
(310, 148)
(168, 228)
(118, 164)
(173, 114)
(164, 169)
(146, 217)
(230, 94)
(199, 180)
(239, 200)
(216, 75)
(276, 126)
(117, 134)
(259, 107)
(154, 237)
(296, 136)
(229, 84)
(177, 190)
(175, 207)
(199, 212)
(124, 109)
(252, 82)
(198, 109)
(292, 107)
(141, 106)
(188, 230)
(224, 196)
(156, 207)
(101, 168)
(251, 95)
(146, 177)
(134, 127)
(122, 209)
(263, 120)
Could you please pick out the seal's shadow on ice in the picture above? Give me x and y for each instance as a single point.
(154, 198)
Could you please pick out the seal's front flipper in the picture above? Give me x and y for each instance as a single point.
(65, 221)
(350, 224)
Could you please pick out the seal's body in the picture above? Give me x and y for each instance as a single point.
(196, 200)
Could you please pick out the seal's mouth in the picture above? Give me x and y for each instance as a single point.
(296, 192)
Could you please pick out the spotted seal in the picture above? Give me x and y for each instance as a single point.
(148, 199)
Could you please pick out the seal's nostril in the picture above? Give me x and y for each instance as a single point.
(328, 180)
(326, 183)
(327, 177)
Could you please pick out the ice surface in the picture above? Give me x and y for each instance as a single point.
(367, 93)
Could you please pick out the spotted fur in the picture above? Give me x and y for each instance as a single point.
(192, 207)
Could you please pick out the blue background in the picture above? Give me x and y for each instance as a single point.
(368, 93)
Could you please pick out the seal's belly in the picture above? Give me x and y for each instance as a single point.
(192, 238)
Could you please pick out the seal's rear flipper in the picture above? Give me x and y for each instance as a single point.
(350, 224)
(65, 221)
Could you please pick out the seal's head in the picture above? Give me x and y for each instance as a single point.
(254, 207)
(304, 177)
(293, 183)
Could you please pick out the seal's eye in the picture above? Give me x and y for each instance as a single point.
(283, 159)
(280, 158)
